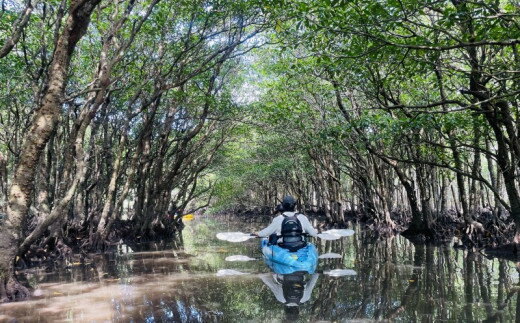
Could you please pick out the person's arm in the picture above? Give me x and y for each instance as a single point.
(307, 226)
(272, 228)
(274, 287)
(309, 287)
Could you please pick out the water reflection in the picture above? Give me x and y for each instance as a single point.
(395, 281)
(292, 290)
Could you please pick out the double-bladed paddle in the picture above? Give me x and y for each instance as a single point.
(332, 234)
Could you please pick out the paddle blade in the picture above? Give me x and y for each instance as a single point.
(234, 236)
(229, 272)
(340, 232)
(330, 255)
(239, 258)
(328, 236)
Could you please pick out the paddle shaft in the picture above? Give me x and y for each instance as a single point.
(241, 237)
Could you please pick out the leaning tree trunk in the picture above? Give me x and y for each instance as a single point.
(43, 124)
(98, 241)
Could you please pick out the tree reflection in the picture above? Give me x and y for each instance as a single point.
(395, 280)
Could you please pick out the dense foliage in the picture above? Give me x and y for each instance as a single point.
(395, 106)
(134, 113)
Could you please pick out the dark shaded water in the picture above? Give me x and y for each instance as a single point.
(185, 283)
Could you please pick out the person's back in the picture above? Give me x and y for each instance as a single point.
(292, 232)
(290, 226)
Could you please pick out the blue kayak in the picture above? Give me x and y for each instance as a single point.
(282, 261)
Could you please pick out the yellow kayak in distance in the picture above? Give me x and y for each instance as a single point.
(188, 217)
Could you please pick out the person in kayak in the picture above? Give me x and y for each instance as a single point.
(288, 228)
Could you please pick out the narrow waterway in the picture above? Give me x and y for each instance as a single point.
(190, 280)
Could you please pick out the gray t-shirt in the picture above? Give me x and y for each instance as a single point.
(276, 225)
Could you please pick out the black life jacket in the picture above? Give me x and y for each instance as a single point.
(292, 233)
(291, 226)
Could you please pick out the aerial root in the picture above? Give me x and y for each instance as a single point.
(14, 290)
(473, 228)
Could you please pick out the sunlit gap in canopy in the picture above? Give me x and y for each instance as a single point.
(183, 121)
(14, 5)
(249, 89)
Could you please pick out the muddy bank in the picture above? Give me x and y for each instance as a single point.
(76, 246)
(487, 233)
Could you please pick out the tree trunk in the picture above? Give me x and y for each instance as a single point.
(110, 195)
(3, 183)
(18, 28)
(43, 124)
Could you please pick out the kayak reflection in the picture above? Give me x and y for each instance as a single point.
(291, 289)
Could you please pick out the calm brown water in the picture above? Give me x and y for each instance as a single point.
(186, 283)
